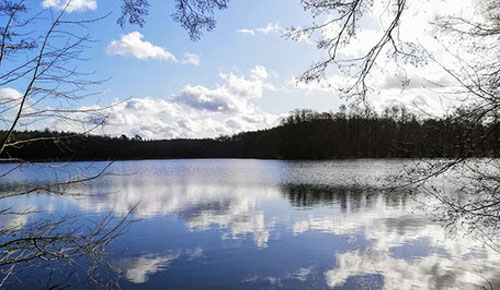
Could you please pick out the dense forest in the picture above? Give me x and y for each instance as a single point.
(304, 134)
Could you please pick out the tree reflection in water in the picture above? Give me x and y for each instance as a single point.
(55, 251)
(278, 231)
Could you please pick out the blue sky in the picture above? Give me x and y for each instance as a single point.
(248, 35)
(238, 77)
(222, 50)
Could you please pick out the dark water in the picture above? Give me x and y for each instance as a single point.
(253, 224)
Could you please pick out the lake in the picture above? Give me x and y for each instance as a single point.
(260, 224)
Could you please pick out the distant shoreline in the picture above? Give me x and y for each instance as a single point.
(236, 158)
(305, 135)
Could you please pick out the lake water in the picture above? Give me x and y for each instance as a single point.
(261, 224)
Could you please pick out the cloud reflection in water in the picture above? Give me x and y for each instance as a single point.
(138, 270)
(283, 217)
(385, 222)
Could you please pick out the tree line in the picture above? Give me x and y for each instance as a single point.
(304, 134)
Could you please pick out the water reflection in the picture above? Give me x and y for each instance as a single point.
(12, 220)
(138, 270)
(201, 207)
(230, 225)
(308, 195)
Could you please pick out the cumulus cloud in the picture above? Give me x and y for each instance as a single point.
(72, 5)
(259, 72)
(268, 29)
(9, 103)
(231, 96)
(133, 45)
(191, 58)
(195, 112)
(8, 95)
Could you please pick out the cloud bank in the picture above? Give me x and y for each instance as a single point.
(197, 111)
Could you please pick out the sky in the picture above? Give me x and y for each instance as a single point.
(239, 77)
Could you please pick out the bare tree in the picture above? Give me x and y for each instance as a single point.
(340, 22)
(195, 16)
(40, 78)
(470, 40)
(59, 244)
(39, 55)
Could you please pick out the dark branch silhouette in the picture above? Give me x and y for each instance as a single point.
(40, 52)
(196, 16)
(471, 42)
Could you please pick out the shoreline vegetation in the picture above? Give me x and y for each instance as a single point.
(304, 134)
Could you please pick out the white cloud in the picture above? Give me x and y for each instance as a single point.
(418, 35)
(259, 72)
(232, 96)
(246, 31)
(132, 44)
(425, 91)
(275, 27)
(8, 95)
(9, 104)
(191, 58)
(72, 5)
(195, 112)
(268, 29)
(329, 85)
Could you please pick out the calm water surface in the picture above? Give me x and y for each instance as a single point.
(255, 224)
